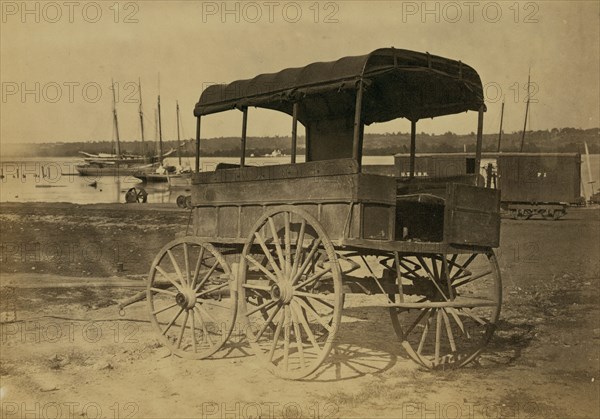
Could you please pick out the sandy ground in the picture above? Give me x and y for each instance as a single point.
(67, 352)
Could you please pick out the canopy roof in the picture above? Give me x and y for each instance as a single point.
(397, 83)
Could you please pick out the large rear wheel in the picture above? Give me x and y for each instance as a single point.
(291, 292)
(447, 308)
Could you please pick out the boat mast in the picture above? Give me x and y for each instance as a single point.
(141, 112)
(160, 144)
(500, 130)
(178, 137)
(589, 168)
(526, 112)
(115, 119)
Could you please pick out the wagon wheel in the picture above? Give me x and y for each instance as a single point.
(192, 297)
(181, 201)
(449, 307)
(291, 305)
(136, 195)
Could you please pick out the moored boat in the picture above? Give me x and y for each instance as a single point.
(120, 163)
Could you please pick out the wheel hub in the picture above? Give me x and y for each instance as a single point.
(282, 292)
(186, 299)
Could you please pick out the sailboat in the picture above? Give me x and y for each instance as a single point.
(183, 177)
(176, 177)
(118, 163)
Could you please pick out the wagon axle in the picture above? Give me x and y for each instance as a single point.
(186, 299)
(283, 292)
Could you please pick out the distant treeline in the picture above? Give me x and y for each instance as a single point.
(554, 140)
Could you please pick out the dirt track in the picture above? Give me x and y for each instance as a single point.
(70, 351)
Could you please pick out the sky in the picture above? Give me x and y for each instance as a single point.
(58, 60)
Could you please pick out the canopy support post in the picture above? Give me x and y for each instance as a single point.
(479, 142)
(413, 147)
(294, 131)
(358, 129)
(244, 129)
(197, 165)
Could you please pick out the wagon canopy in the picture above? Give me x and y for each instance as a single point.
(397, 83)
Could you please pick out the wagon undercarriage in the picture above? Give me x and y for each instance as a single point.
(292, 280)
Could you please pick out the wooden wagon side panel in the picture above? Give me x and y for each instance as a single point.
(348, 205)
(472, 216)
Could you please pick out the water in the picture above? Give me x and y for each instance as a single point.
(61, 183)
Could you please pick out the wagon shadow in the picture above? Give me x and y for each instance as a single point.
(363, 347)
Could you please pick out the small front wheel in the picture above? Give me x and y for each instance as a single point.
(192, 298)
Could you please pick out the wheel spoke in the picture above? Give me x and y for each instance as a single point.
(265, 306)
(299, 248)
(168, 277)
(262, 268)
(267, 323)
(439, 289)
(474, 317)
(186, 258)
(434, 267)
(438, 336)
(304, 324)
(307, 261)
(172, 322)
(464, 266)
(298, 335)
(451, 264)
(425, 332)
(314, 296)
(288, 244)
(276, 336)
(410, 271)
(161, 291)
(418, 319)
(198, 265)
(448, 330)
(185, 319)
(313, 278)
(458, 321)
(175, 265)
(286, 336)
(155, 312)
(194, 340)
(424, 265)
(208, 274)
(473, 278)
(278, 249)
(268, 254)
(318, 318)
